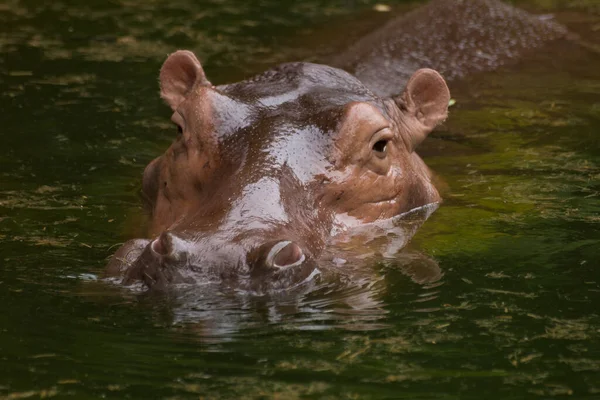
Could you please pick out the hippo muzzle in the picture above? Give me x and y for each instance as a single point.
(169, 259)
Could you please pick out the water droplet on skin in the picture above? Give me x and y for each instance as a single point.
(339, 261)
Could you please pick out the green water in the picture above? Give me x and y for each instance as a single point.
(515, 315)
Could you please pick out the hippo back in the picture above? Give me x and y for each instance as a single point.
(455, 37)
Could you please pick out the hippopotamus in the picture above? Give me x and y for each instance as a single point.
(264, 172)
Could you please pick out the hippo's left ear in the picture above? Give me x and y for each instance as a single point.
(178, 75)
(425, 101)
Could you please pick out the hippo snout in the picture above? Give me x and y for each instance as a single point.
(285, 254)
(155, 263)
(280, 264)
(169, 247)
(170, 259)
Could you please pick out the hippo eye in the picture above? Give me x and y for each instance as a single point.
(380, 147)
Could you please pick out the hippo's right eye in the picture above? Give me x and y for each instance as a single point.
(380, 147)
(380, 141)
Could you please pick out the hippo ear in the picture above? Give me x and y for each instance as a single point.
(178, 75)
(425, 100)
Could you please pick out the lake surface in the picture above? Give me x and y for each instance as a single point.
(501, 298)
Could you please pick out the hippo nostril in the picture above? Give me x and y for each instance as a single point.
(162, 245)
(285, 254)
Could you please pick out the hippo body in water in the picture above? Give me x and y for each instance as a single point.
(265, 171)
(458, 38)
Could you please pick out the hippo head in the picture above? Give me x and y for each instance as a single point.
(264, 171)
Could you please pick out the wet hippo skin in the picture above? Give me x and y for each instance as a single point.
(265, 171)
(455, 37)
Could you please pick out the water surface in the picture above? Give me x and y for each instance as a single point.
(496, 296)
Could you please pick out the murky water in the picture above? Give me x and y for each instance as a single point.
(497, 295)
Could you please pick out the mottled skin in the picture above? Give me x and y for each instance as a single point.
(265, 171)
(455, 37)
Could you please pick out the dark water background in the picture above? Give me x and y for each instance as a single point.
(516, 314)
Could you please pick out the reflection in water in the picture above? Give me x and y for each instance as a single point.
(346, 291)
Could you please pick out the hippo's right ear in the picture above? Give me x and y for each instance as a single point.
(425, 102)
(178, 75)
